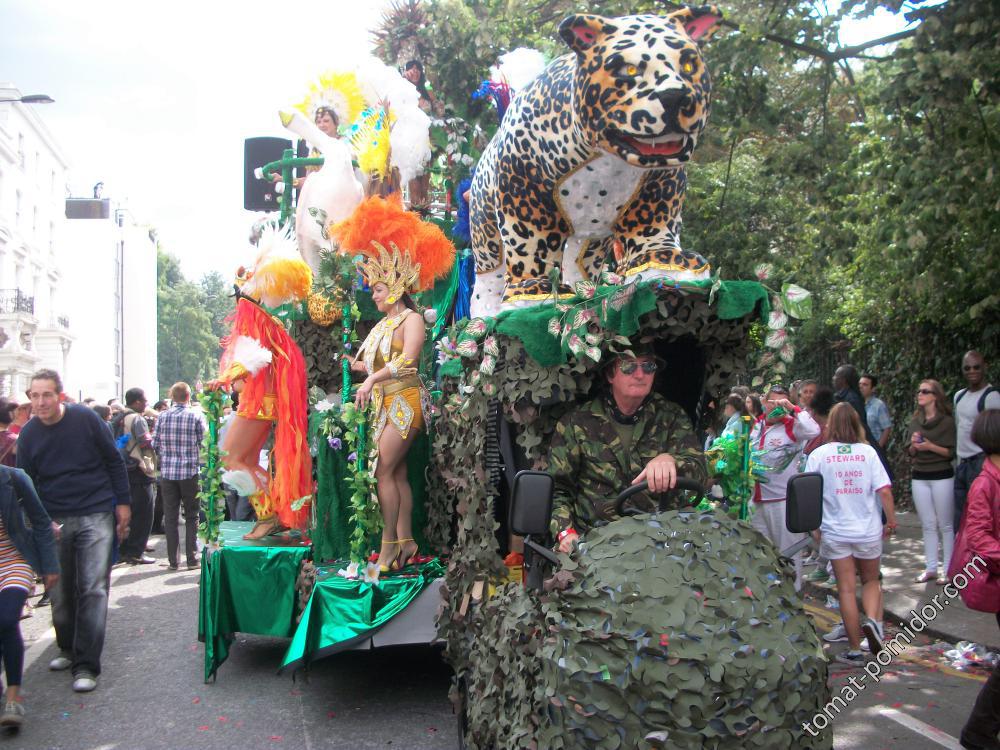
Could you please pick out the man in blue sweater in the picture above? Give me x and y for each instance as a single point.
(80, 477)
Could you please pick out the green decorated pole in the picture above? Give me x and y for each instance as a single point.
(210, 495)
(286, 165)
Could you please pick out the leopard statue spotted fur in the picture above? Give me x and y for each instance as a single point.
(586, 171)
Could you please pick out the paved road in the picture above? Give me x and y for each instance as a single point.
(152, 697)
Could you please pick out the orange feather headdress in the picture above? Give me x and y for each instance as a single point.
(384, 222)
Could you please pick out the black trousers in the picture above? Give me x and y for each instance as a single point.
(984, 722)
(142, 518)
(177, 494)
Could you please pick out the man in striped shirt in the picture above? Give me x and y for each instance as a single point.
(177, 441)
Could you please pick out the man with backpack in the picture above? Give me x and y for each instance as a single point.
(969, 402)
(136, 446)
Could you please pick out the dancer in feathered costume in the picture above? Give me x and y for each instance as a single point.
(260, 353)
(405, 255)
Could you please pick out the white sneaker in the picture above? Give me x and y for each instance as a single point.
(84, 682)
(873, 632)
(837, 635)
(60, 663)
(13, 714)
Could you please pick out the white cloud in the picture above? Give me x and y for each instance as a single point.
(156, 101)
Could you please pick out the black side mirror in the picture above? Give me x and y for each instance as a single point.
(804, 503)
(531, 503)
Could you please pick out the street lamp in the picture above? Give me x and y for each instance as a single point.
(31, 99)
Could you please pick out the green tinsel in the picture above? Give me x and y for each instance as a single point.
(211, 495)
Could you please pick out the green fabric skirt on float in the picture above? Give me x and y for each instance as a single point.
(341, 612)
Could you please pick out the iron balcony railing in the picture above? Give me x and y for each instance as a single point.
(16, 301)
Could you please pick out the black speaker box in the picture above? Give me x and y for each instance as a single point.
(258, 194)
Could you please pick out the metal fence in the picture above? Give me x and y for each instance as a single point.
(16, 301)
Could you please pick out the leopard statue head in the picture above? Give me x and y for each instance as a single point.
(642, 89)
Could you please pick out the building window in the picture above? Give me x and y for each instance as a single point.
(38, 163)
(17, 209)
(34, 221)
(52, 236)
(20, 149)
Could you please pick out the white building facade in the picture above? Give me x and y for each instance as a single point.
(34, 323)
(77, 275)
(113, 298)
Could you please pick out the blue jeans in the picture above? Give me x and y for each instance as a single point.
(80, 598)
(965, 474)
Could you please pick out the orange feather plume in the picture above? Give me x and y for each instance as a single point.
(384, 220)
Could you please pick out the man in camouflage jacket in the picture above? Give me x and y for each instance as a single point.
(622, 438)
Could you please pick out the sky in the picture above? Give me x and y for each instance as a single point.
(156, 100)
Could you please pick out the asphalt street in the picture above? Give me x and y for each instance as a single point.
(152, 695)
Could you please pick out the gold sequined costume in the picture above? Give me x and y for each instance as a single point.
(401, 400)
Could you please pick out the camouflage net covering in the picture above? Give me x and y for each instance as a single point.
(677, 630)
(480, 363)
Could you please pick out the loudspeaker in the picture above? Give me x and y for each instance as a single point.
(259, 195)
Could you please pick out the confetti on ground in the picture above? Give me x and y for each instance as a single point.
(295, 691)
(897, 704)
(196, 700)
(431, 729)
(223, 719)
(203, 728)
(330, 714)
(276, 738)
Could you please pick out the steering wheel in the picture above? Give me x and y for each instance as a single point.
(683, 483)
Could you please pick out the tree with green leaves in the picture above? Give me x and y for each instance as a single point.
(187, 347)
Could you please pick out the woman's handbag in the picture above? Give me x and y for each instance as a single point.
(983, 590)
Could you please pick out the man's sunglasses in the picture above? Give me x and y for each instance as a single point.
(627, 368)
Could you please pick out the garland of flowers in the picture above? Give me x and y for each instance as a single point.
(343, 426)
(779, 350)
(211, 495)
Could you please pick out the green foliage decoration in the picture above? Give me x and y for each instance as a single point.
(211, 496)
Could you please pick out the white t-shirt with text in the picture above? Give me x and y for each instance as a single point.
(852, 476)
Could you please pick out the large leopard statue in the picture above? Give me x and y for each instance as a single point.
(589, 161)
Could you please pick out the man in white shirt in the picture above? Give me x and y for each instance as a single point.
(969, 401)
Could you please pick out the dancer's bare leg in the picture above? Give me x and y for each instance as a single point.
(404, 523)
(390, 453)
(242, 446)
(392, 493)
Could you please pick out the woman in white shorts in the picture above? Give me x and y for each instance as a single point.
(856, 489)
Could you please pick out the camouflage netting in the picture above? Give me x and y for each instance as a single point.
(678, 630)
(681, 630)
(490, 360)
(490, 643)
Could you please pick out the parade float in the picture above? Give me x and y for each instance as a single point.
(670, 628)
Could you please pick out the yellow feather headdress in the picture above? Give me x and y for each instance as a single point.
(339, 90)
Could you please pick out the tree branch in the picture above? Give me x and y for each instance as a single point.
(829, 56)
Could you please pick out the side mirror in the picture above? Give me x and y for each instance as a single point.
(531, 503)
(804, 503)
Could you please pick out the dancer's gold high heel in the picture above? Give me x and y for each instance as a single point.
(389, 568)
(402, 560)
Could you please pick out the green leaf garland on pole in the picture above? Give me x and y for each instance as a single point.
(211, 495)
